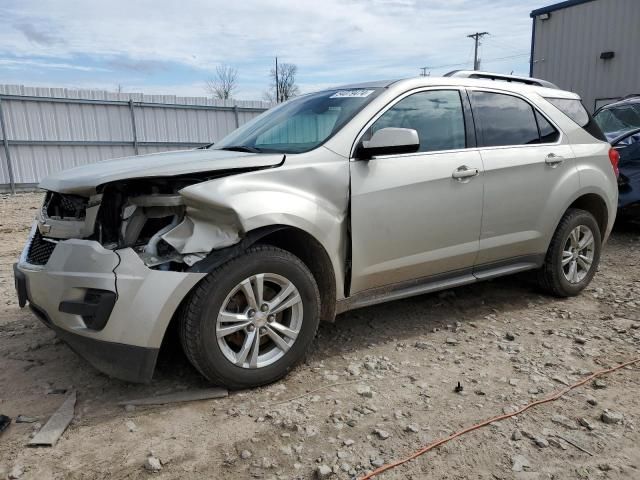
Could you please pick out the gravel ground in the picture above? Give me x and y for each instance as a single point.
(387, 378)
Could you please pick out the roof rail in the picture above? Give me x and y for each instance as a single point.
(499, 77)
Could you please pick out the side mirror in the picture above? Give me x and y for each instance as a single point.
(389, 141)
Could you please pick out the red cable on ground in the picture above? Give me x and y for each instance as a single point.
(499, 418)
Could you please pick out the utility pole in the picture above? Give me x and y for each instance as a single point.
(277, 83)
(476, 37)
(424, 71)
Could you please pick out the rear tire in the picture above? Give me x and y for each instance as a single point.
(573, 255)
(252, 319)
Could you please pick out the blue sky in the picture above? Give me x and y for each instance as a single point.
(172, 47)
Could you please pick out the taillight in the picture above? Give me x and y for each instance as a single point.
(614, 158)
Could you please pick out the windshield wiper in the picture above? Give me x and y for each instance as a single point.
(242, 148)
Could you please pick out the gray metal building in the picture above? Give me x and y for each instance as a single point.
(591, 47)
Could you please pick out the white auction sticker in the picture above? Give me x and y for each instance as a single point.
(355, 93)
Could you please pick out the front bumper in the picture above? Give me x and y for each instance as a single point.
(126, 344)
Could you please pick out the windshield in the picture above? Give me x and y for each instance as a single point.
(616, 121)
(301, 124)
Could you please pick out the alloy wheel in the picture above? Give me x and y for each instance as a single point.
(259, 320)
(578, 254)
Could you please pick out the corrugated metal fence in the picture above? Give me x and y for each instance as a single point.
(44, 130)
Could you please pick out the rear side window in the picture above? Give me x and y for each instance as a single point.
(573, 109)
(507, 120)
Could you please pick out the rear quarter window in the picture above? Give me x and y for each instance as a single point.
(573, 108)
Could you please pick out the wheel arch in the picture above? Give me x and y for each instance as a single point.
(308, 249)
(596, 206)
(292, 239)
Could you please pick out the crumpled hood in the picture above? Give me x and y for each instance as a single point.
(87, 177)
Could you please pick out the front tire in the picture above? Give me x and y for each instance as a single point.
(252, 319)
(573, 255)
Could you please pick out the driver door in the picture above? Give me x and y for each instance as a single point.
(410, 218)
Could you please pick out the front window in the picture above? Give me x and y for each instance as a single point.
(301, 124)
(436, 115)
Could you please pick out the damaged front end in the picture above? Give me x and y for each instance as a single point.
(147, 215)
(107, 270)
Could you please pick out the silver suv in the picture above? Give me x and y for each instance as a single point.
(332, 201)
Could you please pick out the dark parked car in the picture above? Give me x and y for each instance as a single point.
(620, 122)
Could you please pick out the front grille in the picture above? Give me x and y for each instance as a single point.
(40, 250)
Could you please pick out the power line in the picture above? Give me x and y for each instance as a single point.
(493, 41)
(509, 57)
(476, 38)
(437, 67)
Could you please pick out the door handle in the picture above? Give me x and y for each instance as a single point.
(463, 172)
(553, 159)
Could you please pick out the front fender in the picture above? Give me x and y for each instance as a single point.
(311, 197)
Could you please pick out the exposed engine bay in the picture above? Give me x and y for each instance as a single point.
(146, 215)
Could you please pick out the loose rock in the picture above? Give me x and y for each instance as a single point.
(365, 391)
(564, 421)
(555, 443)
(152, 464)
(586, 423)
(16, 472)
(382, 434)
(519, 463)
(611, 418)
(25, 419)
(323, 471)
(354, 369)
(541, 442)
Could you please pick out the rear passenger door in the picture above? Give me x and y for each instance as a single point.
(529, 173)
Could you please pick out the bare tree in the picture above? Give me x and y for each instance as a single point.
(283, 86)
(225, 82)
